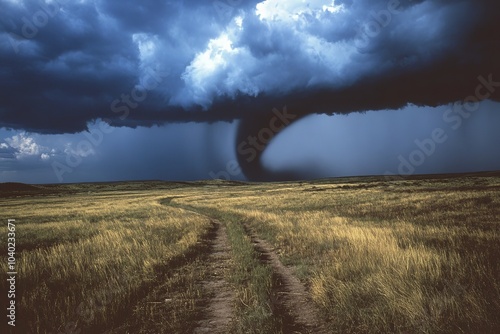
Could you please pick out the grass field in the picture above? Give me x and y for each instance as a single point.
(418, 255)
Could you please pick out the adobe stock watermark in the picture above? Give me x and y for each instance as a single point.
(380, 20)
(11, 271)
(225, 8)
(454, 117)
(250, 147)
(122, 107)
(31, 24)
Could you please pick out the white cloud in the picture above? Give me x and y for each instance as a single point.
(270, 52)
(25, 147)
(293, 10)
(212, 72)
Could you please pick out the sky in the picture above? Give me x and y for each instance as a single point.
(247, 90)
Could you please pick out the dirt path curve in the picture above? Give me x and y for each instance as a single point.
(218, 313)
(291, 299)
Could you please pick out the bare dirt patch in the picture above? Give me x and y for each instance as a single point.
(218, 314)
(290, 301)
(194, 293)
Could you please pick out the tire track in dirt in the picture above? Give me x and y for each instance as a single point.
(290, 300)
(218, 314)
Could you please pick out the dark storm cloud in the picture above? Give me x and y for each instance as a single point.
(64, 63)
(64, 73)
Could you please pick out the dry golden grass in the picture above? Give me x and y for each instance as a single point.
(410, 256)
(404, 256)
(89, 257)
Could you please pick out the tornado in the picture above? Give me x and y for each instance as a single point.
(258, 129)
(253, 137)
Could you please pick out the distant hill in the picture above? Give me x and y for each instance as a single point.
(13, 189)
(17, 186)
